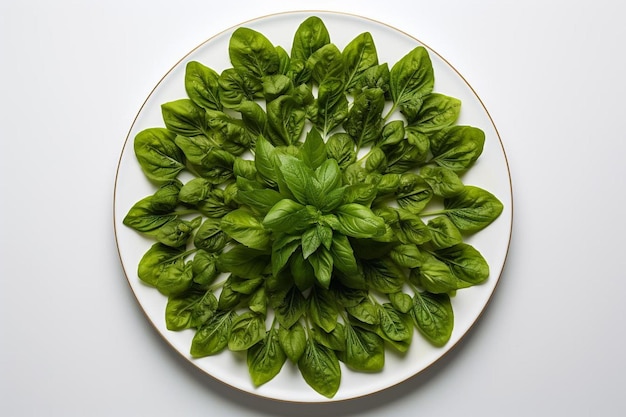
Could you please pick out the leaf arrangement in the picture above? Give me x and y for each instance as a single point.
(322, 215)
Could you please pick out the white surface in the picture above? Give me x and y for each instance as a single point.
(73, 340)
(491, 173)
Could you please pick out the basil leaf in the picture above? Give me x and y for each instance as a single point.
(343, 255)
(401, 301)
(412, 77)
(251, 51)
(436, 112)
(290, 308)
(285, 121)
(473, 209)
(247, 330)
(365, 350)
(327, 63)
(264, 160)
(443, 232)
(393, 325)
(265, 359)
(298, 178)
(366, 312)
(443, 181)
(322, 262)
(190, 309)
(212, 337)
(457, 147)
(435, 276)
(244, 261)
(319, 367)
(159, 157)
(332, 105)
(287, 216)
(406, 256)
(302, 271)
(253, 117)
(384, 275)
(414, 193)
(310, 36)
(314, 149)
(204, 267)
(177, 232)
(201, 85)
(283, 247)
(364, 122)
(466, 263)
(322, 309)
(433, 316)
(246, 229)
(275, 86)
(185, 118)
(335, 339)
(340, 147)
(358, 221)
(156, 260)
(237, 86)
(293, 341)
(359, 55)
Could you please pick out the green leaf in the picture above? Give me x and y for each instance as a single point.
(457, 147)
(237, 85)
(473, 209)
(359, 55)
(319, 367)
(436, 112)
(412, 77)
(251, 51)
(433, 316)
(466, 263)
(298, 177)
(247, 330)
(285, 120)
(245, 228)
(266, 359)
(322, 309)
(204, 267)
(435, 276)
(443, 232)
(157, 260)
(314, 149)
(309, 37)
(201, 85)
(358, 221)
(406, 256)
(288, 216)
(159, 157)
(212, 337)
(177, 232)
(364, 123)
(414, 193)
(253, 116)
(293, 341)
(443, 181)
(244, 261)
(322, 262)
(282, 248)
(185, 118)
(190, 309)
(264, 161)
(343, 255)
(384, 275)
(340, 147)
(290, 308)
(401, 301)
(365, 311)
(365, 350)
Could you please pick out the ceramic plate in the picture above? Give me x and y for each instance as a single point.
(490, 172)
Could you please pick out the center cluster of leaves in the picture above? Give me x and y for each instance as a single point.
(292, 192)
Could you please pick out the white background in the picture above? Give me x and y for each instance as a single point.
(73, 341)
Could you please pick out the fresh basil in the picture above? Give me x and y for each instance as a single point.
(309, 206)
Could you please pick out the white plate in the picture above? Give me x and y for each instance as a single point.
(490, 172)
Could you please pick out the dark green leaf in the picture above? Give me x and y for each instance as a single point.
(473, 209)
(251, 51)
(159, 157)
(412, 77)
(293, 341)
(319, 367)
(201, 85)
(212, 337)
(433, 316)
(247, 330)
(266, 359)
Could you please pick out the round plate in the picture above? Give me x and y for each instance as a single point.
(490, 172)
